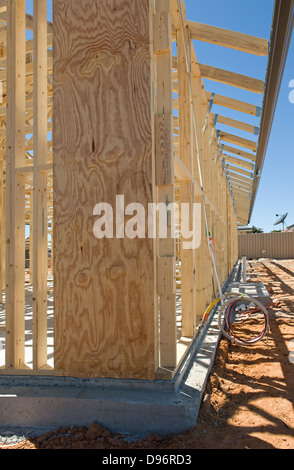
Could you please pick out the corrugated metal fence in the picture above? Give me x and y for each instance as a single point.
(267, 245)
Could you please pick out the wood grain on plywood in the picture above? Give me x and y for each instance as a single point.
(103, 143)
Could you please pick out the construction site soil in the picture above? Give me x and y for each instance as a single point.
(248, 401)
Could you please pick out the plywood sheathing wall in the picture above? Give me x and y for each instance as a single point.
(105, 303)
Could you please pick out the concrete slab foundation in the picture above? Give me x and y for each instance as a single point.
(132, 407)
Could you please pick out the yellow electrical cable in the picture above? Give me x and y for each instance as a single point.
(208, 310)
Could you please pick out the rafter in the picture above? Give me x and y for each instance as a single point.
(240, 178)
(240, 183)
(231, 39)
(240, 153)
(234, 123)
(237, 105)
(234, 139)
(236, 161)
(231, 78)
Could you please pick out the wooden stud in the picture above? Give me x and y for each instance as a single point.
(15, 184)
(199, 254)
(31, 245)
(187, 271)
(165, 181)
(2, 232)
(40, 222)
(184, 61)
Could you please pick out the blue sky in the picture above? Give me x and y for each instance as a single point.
(254, 17)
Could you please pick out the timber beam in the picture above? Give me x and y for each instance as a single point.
(226, 38)
(231, 78)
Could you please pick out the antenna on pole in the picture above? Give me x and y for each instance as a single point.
(281, 220)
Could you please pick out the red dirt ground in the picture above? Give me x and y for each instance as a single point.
(248, 403)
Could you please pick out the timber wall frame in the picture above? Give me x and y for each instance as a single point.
(131, 117)
(26, 178)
